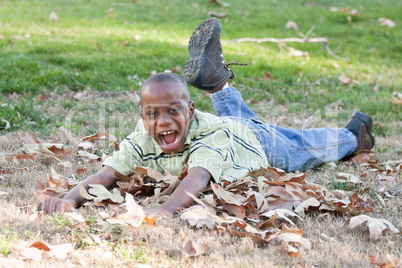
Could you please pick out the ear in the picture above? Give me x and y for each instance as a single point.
(142, 115)
(191, 109)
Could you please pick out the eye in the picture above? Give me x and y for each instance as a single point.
(174, 110)
(151, 114)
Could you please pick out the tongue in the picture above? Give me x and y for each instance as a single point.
(170, 138)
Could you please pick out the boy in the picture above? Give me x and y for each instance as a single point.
(172, 132)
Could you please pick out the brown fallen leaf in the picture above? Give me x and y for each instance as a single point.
(346, 10)
(345, 177)
(386, 22)
(155, 175)
(281, 214)
(40, 98)
(235, 210)
(53, 16)
(98, 193)
(268, 76)
(376, 226)
(376, 261)
(224, 195)
(365, 156)
(52, 183)
(21, 157)
(294, 238)
(278, 197)
(150, 221)
(39, 250)
(346, 80)
(219, 3)
(29, 139)
(4, 171)
(292, 25)
(311, 202)
(88, 156)
(293, 244)
(135, 214)
(7, 126)
(286, 229)
(267, 224)
(101, 135)
(65, 164)
(198, 216)
(43, 192)
(81, 171)
(297, 53)
(396, 99)
(389, 261)
(192, 248)
(75, 216)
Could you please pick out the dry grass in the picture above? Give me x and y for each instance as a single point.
(159, 245)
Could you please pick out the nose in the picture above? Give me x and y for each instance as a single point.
(164, 119)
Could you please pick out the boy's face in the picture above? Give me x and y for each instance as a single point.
(167, 114)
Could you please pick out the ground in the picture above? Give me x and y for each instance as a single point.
(63, 77)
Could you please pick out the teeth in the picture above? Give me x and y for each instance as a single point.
(175, 141)
(167, 133)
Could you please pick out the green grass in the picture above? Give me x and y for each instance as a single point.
(97, 44)
(6, 240)
(138, 255)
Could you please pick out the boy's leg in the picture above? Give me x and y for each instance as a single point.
(206, 68)
(229, 102)
(293, 149)
(302, 149)
(288, 149)
(285, 148)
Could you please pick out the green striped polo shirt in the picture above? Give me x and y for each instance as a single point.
(224, 147)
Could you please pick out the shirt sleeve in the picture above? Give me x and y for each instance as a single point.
(209, 152)
(129, 154)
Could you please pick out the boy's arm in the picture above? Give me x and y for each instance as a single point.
(106, 177)
(195, 182)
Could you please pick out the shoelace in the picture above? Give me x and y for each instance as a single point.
(232, 76)
(236, 63)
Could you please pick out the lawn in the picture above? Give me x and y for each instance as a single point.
(78, 65)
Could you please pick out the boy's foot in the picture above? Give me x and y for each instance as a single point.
(360, 125)
(206, 68)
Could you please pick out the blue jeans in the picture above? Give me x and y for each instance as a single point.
(287, 149)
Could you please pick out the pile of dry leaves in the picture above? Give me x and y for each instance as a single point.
(265, 206)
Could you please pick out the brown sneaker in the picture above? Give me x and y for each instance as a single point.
(361, 125)
(206, 68)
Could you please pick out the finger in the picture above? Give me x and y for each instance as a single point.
(59, 207)
(51, 205)
(63, 206)
(40, 206)
(46, 206)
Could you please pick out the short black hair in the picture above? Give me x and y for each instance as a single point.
(162, 77)
(166, 77)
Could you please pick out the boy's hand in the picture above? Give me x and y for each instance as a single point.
(194, 182)
(106, 177)
(55, 204)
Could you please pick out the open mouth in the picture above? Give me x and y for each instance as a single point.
(169, 140)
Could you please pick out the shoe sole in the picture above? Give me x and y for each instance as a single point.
(199, 43)
(367, 121)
